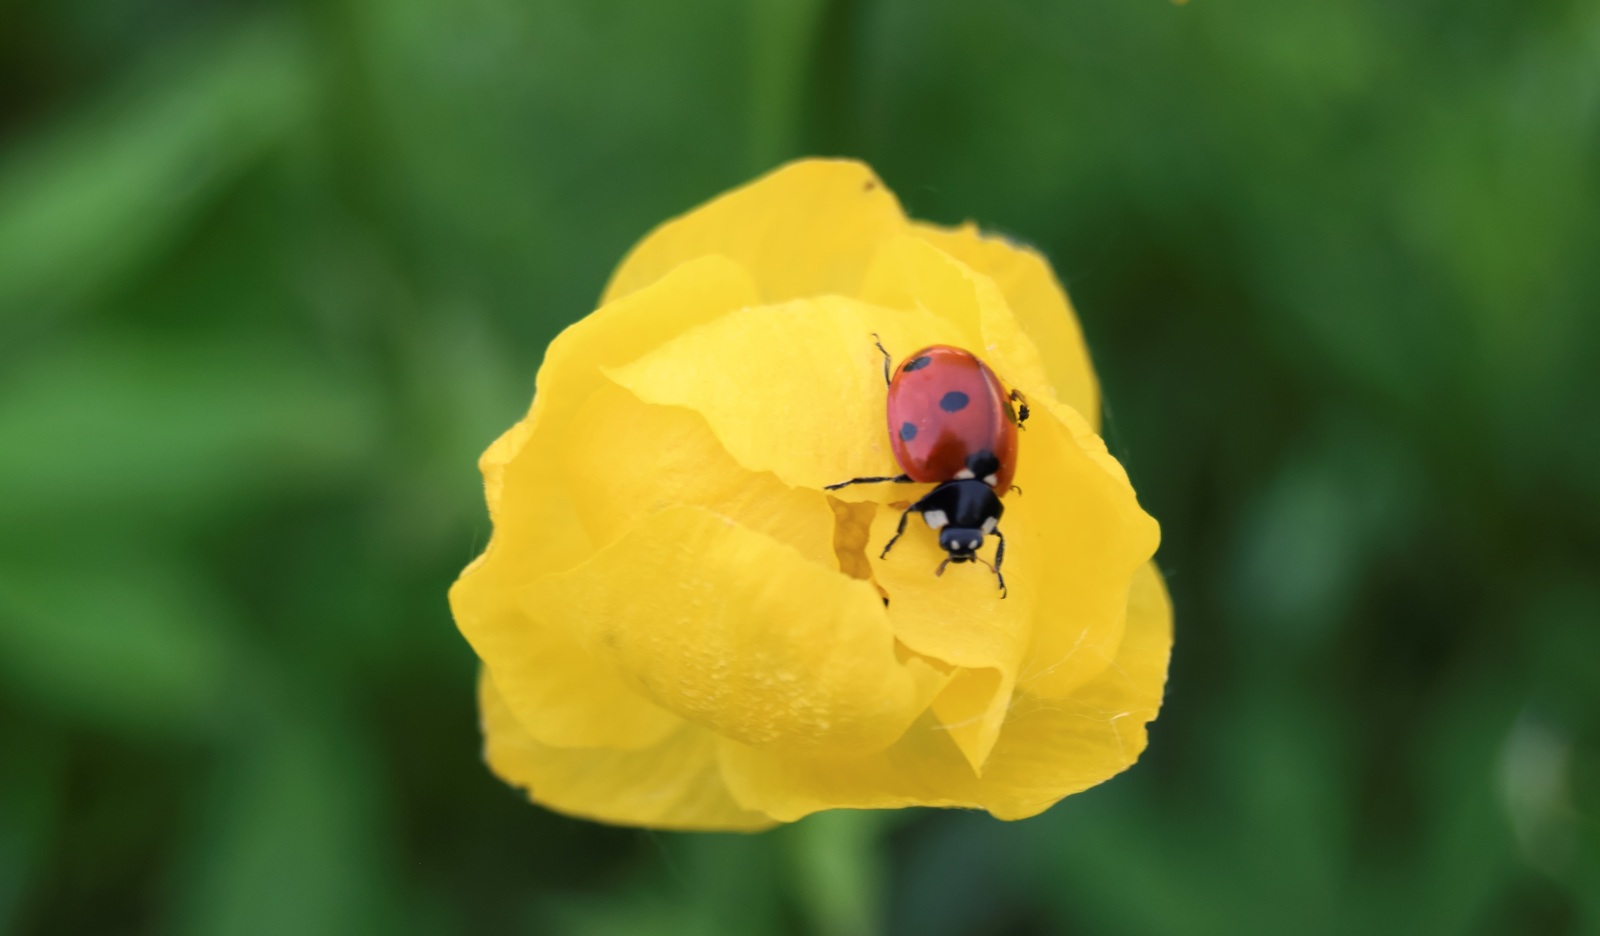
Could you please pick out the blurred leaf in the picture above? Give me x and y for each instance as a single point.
(1341, 504)
(706, 885)
(108, 189)
(782, 38)
(526, 198)
(1254, 847)
(1535, 774)
(965, 873)
(837, 865)
(633, 912)
(1466, 870)
(1109, 864)
(30, 795)
(128, 641)
(170, 431)
(291, 839)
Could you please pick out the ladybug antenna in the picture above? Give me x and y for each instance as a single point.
(940, 570)
(887, 360)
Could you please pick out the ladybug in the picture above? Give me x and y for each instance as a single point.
(952, 424)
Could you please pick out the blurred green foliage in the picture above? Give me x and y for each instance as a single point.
(273, 273)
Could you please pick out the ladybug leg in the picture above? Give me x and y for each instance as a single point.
(879, 342)
(999, 557)
(898, 531)
(897, 479)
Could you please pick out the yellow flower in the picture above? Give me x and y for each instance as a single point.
(680, 628)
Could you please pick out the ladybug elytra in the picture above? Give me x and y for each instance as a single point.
(952, 424)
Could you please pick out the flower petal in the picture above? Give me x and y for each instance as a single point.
(614, 334)
(796, 389)
(1090, 535)
(1039, 302)
(924, 768)
(1085, 517)
(910, 273)
(961, 620)
(624, 459)
(1052, 748)
(741, 634)
(1073, 542)
(807, 228)
(1046, 750)
(570, 697)
(674, 784)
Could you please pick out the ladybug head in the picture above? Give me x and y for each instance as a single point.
(960, 542)
(961, 545)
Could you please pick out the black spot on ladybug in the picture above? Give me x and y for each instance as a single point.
(871, 184)
(908, 431)
(953, 402)
(917, 364)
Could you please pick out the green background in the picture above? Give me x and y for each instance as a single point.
(272, 274)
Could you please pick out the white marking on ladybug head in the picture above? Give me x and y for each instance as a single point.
(991, 480)
(937, 519)
(989, 524)
(965, 474)
(974, 544)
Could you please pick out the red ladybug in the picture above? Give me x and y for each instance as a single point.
(952, 423)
